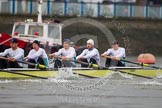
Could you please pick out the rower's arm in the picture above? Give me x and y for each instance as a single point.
(35, 55)
(108, 52)
(82, 54)
(4, 53)
(58, 53)
(90, 55)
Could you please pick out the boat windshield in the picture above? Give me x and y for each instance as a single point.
(20, 29)
(33, 30)
(54, 32)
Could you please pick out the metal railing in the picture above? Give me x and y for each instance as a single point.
(51, 8)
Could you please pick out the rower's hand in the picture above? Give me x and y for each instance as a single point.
(64, 58)
(78, 59)
(26, 58)
(11, 59)
(51, 55)
(115, 58)
(103, 55)
(1, 57)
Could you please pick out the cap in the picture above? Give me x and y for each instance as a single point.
(90, 41)
(67, 41)
(37, 42)
(14, 40)
(115, 42)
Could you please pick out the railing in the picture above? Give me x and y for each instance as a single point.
(52, 8)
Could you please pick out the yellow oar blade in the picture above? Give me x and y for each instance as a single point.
(42, 66)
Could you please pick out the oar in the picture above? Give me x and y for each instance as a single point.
(141, 64)
(99, 67)
(25, 62)
(44, 67)
(18, 73)
(33, 64)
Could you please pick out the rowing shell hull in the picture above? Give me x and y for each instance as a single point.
(87, 73)
(46, 74)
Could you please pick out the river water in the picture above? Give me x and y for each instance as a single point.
(113, 91)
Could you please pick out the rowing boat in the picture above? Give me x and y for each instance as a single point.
(91, 73)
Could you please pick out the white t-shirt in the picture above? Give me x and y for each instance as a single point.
(88, 54)
(17, 54)
(120, 52)
(68, 53)
(33, 54)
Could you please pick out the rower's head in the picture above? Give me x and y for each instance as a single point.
(66, 43)
(14, 43)
(90, 44)
(115, 45)
(36, 45)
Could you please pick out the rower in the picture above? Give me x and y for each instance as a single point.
(13, 55)
(37, 55)
(89, 55)
(115, 54)
(66, 54)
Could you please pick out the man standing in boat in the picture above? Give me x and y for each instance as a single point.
(65, 54)
(9, 58)
(114, 55)
(37, 55)
(89, 55)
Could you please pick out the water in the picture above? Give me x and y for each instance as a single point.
(123, 92)
(114, 91)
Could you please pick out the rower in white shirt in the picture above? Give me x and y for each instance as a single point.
(66, 53)
(115, 52)
(37, 55)
(12, 55)
(89, 55)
